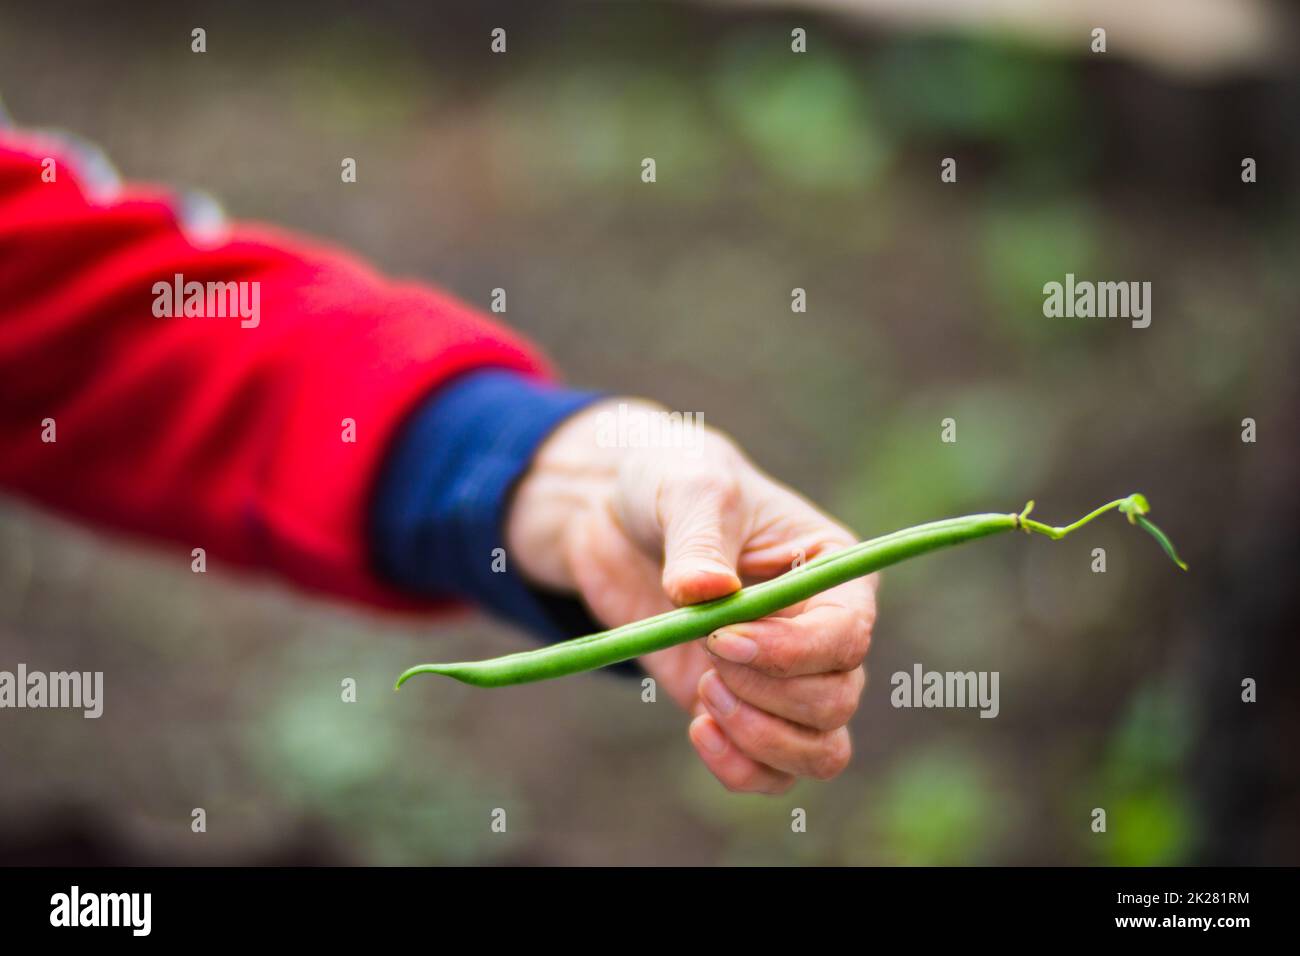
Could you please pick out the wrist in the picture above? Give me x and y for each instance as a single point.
(574, 471)
(442, 497)
(602, 456)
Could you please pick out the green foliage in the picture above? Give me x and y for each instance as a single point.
(907, 471)
(938, 808)
(808, 121)
(964, 87)
(1020, 104)
(1024, 245)
(587, 131)
(1149, 827)
(1148, 820)
(384, 775)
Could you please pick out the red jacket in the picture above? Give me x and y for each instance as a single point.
(202, 430)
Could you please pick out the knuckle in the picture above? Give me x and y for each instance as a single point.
(869, 611)
(741, 679)
(842, 704)
(868, 615)
(783, 660)
(747, 781)
(833, 757)
(834, 704)
(732, 786)
(861, 640)
(779, 658)
(779, 786)
(695, 544)
(826, 717)
(708, 483)
(757, 737)
(846, 638)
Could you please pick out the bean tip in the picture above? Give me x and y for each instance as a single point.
(407, 675)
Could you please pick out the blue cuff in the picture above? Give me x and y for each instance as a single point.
(439, 509)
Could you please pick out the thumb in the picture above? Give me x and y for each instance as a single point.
(701, 525)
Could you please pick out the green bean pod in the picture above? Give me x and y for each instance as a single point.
(757, 601)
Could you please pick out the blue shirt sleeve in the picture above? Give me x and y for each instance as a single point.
(439, 508)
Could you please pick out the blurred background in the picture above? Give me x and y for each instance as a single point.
(1119, 690)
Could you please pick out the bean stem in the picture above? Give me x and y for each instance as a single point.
(760, 600)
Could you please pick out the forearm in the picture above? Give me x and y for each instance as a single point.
(259, 441)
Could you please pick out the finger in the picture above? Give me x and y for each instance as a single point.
(857, 595)
(735, 771)
(775, 550)
(617, 580)
(771, 740)
(677, 670)
(822, 638)
(819, 701)
(701, 524)
(787, 530)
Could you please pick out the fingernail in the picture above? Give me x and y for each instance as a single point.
(719, 697)
(709, 736)
(732, 647)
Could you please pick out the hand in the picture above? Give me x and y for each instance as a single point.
(637, 531)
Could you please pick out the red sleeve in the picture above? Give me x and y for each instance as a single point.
(201, 430)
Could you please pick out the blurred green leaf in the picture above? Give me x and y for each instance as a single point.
(1148, 828)
(1148, 822)
(1020, 100)
(808, 120)
(1023, 247)
(381, 774)
(591, 128)
(908, 475)
(937, 808)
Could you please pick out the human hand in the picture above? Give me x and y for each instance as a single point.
(637, 531)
